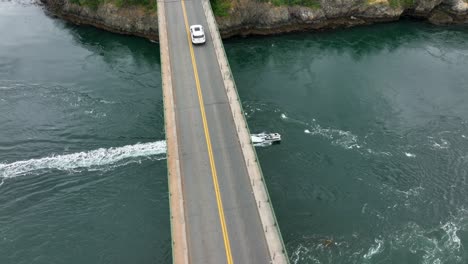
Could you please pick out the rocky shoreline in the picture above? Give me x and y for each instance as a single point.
(256, 17)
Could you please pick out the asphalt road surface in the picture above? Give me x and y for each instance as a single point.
(217, 192)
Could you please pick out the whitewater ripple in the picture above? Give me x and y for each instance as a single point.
(90, 159)
(345, 139)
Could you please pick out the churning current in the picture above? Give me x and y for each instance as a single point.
(372, 167)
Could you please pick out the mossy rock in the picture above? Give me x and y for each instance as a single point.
(439, 17)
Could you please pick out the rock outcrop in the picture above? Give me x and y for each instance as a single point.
(261, 17)
(257, 17)
(133, 20)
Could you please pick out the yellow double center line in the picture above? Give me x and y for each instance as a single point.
(219, 201)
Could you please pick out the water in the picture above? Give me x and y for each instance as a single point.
(372, 168)
(373, 163)
(82, 156)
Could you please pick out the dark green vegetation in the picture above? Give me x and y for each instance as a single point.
(220, 7)
(308, 3)
(149, 4)
(401, 3)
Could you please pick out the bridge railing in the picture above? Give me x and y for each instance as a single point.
(277, 251)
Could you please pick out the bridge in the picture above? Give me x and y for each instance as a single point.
(220, 208)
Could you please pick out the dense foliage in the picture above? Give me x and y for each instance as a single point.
(220, 7)
(401, 3)
(307, 3)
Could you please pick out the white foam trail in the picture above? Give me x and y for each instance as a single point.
(376, 249)
(90, 159)
(262, 144)
(452, 241)
(416, 191)
(345, 139)
(106, 102)
(303, 254)
(339, 137)
(444, 144)
(410, 155)
(364, 207)
(385, 153)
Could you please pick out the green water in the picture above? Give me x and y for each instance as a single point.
(375, 144)
(374, 155)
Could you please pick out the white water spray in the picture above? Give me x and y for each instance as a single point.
(90, 159)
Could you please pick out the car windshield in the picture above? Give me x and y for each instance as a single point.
(201, 36)
(197, 29)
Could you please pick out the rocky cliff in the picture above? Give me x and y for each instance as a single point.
(245, 17)
(131, 20)
(254, 17)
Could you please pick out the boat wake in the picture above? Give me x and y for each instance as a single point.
(98, 159)
(262, 144)
(338, 137)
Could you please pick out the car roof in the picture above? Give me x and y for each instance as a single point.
(196, 26)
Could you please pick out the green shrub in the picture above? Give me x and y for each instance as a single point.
(220, 7)
(308, 3)
(315, 4)
(149, 4)
(132, 2)
(94, 4)
(401, 3)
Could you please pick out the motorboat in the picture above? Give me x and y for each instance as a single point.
(266, 138)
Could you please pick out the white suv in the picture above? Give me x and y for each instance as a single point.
(197, 34)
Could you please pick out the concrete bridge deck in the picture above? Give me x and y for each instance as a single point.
(220, 209)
